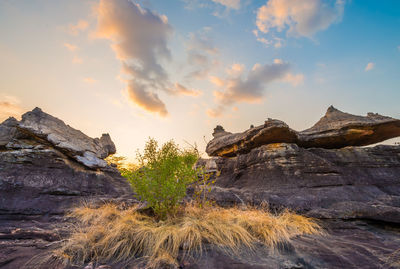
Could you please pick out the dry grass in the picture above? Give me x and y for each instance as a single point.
(112, 234)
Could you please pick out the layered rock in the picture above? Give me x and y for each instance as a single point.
(75, 144)
(335, 130)
(44, 171)
(353, 192)
(47, 166)
(348, 183)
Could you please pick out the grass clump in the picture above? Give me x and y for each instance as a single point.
(111, 234)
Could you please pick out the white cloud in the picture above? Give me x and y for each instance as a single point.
(300, 18)
(232, 4)
(139, 39)
(10, 106)
(369, 66)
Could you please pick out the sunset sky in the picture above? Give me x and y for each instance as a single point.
(175, 69)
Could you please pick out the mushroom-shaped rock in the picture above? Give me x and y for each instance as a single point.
(86, 150)
(335, 130)
(229, 145)
(338, 129)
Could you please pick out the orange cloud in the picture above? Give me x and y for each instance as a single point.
(80, 26)
(70, 47)
(369, 67)
(9, 107)
(238, 89)
(302, 18)
(89, 80)
(139, 49)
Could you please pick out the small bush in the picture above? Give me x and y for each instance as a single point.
(110, 234)
(163, 176)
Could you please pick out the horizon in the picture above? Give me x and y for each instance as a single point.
(195, 64)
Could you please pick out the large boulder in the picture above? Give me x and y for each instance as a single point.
(75, 144)
(333, 131)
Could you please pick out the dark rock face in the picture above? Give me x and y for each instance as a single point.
(348, 183)
(43, 173)
(354, 193)
(335, 130)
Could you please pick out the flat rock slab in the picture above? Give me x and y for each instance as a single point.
(335, 130)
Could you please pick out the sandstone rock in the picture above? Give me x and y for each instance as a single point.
(70, 141)
(335, 130)
(338, 129)
(44, 172)
(7, 131)
(348, 183)
(228, 145)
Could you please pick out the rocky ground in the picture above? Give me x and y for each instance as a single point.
(47, 167)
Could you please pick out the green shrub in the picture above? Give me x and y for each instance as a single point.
(163, 176)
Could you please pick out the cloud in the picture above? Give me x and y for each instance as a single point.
(80, 26)
(77, 60)
(145, 99)
(369, 67)
(237, 89)
(139, 39)
(295, 80)
(70, 47)
(201, 54)
(10, 107)
(89, 80)
(300, 18)
(182, 90)
(276, 41)
(232, 4)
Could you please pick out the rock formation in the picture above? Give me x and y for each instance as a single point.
(46, 167)
(333, 131)
(354, 192)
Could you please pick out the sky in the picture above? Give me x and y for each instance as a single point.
(175, 69)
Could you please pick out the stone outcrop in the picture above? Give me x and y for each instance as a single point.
(347, 183)
(75, 144)
(47, 167)
(335, 130)
(354, 193)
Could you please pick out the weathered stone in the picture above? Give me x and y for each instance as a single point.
(7, 131)
(335, 130)
(70, 141)
(338, 129)
(228, 145)
(348, 183)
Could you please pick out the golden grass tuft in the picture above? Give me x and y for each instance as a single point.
(111, 234)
